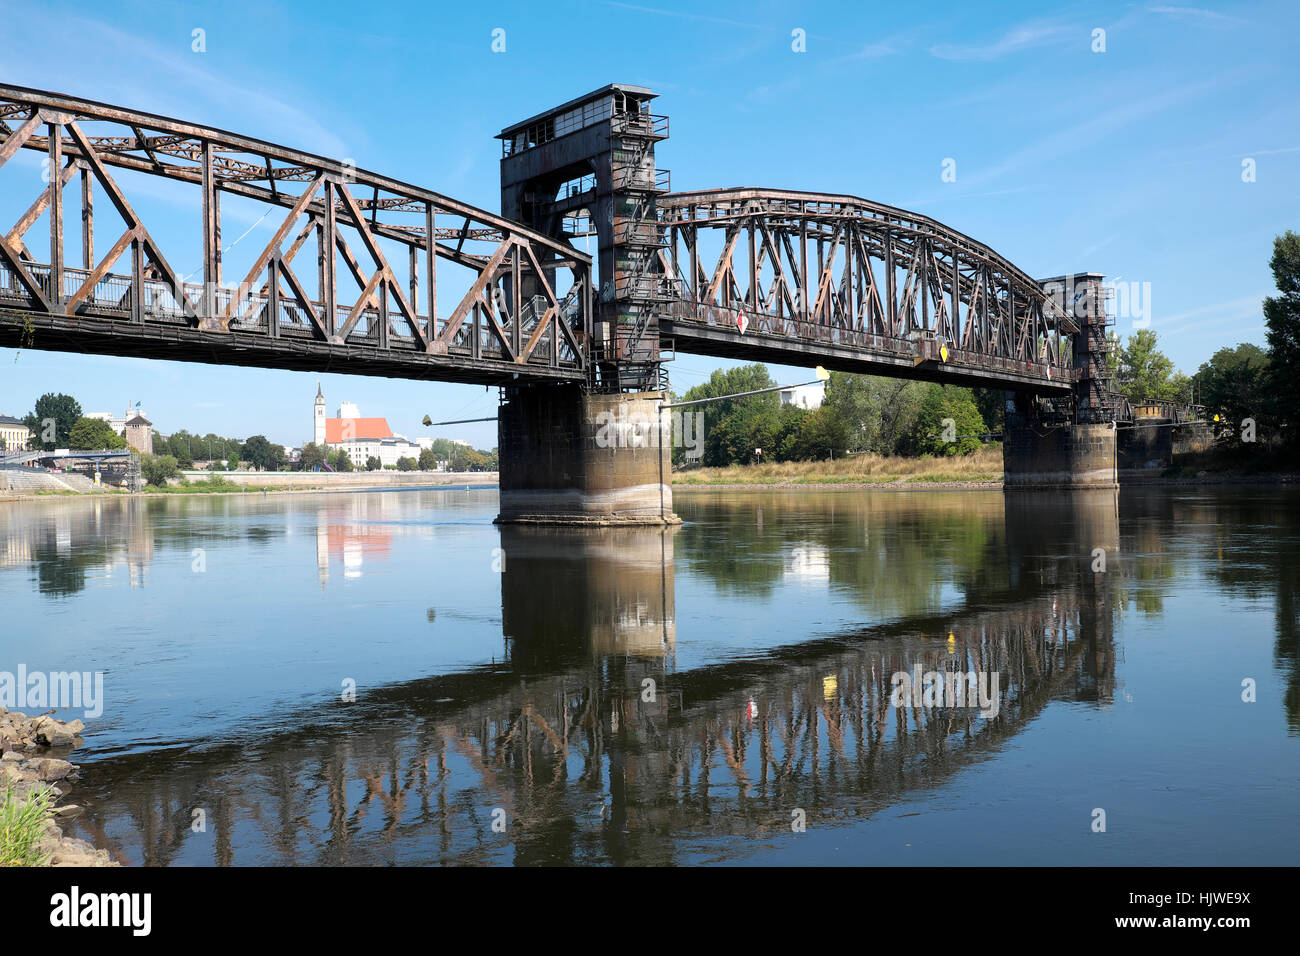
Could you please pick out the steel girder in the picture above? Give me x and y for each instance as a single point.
(834, 276)
(512, 319)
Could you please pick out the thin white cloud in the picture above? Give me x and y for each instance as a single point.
(1244, 307)
(951, 194)
(1088, 133)
(161, 79)
(1196, 15)
(1096, 246)
(724, 21)
(681, 15)
(869, 51)
(1024, 37)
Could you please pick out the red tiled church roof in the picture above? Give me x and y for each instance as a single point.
(357, 428)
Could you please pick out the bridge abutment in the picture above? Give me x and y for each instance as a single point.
(570, 456)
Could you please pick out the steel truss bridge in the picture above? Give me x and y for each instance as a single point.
(859, 286)
(444, 290)
(18, 458)
(396, 242)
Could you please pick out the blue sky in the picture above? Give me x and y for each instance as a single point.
(1127, 162)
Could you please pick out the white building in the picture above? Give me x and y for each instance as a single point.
(118, 422)
(361, 438)
(14, 435)
(803, 396)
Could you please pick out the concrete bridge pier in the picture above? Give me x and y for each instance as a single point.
(574, 457)
(1147, 446)
(1040, 456)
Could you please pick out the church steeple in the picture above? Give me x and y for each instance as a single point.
(318, 417)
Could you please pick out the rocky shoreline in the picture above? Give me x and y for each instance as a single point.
(27, 766)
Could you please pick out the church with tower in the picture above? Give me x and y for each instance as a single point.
(361, 438)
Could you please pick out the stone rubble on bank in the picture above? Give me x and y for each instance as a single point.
(26, 767)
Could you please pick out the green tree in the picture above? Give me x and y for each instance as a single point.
(789, 425)
(428, 460)
(465, 458)
(992, 405)
(948, 424)
(1146, 374)
(818, 435)
(94, 434)
(373, 463)
(1282, 316)
(406, 463)
(878, 414)
(443, 447)
(312, 457)
(178, 445)
(748, 432)
(734, 428)
(184, 456)
(1234, 384)
(261, 454)
(56, 409)
(339, 460)
(214, 447)
(156, 469)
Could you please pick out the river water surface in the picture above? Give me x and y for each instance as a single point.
(389, 678)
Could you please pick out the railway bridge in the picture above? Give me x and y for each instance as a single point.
(368, 275)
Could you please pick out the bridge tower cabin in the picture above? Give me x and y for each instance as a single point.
(1069, 443)
(597, 453)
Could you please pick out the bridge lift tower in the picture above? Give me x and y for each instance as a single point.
(584, 168)
(598, 452)
(1069, 442)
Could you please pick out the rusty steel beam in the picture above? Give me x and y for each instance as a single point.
(272, 304)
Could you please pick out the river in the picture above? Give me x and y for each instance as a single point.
(390, 678)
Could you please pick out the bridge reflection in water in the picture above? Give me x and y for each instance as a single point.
(564, 737)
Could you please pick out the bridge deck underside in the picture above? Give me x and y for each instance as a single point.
(186, 343)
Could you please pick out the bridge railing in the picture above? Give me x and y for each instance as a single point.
(641, 123)
(759, 325)
(635, 177)
(1166, 411)
(113, 295)
(646, 232)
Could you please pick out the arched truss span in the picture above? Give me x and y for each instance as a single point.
(838, 276)
(515, 304)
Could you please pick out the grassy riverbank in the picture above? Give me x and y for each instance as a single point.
(216, 485)
(984, 467)
(22, 824)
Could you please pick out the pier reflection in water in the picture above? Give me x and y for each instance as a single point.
(597, 745)
(644, 696)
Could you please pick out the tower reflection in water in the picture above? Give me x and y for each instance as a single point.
(593, 746)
